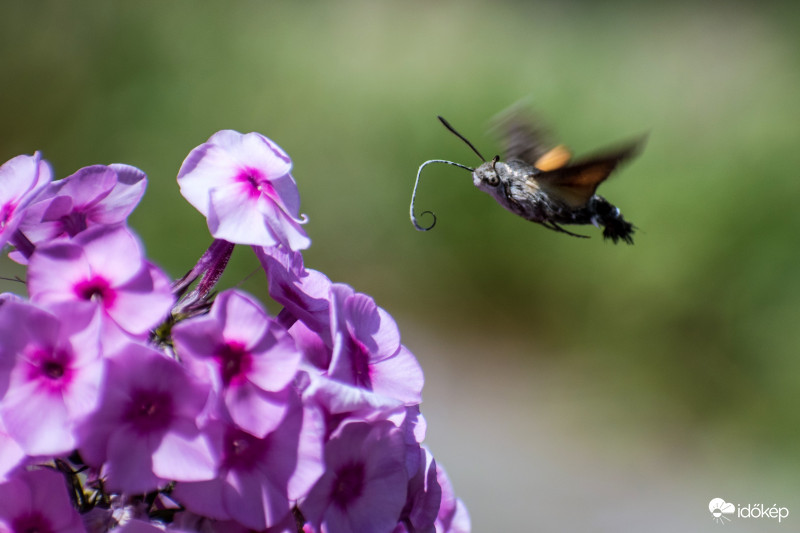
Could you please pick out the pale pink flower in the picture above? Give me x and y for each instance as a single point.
(243, 186)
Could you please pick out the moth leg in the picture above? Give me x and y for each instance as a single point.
(555, 227)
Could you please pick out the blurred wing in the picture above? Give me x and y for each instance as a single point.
(553, 159)
(522, 137)
(575, 184)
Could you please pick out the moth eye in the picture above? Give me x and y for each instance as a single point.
(493, 180)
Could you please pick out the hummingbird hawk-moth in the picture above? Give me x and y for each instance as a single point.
(542, 184)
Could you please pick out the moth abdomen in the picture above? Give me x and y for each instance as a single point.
(615, 227)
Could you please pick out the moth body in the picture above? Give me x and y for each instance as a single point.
(514, 185)
(542, 184)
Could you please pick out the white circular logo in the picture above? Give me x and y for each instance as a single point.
(719, 508)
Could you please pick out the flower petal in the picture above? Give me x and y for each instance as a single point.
(143, 301)
(252, 501)
(202, 497)
(254, 410)
(399, 376)
(233, 216)
(55, 269)
(37, 420)
(23, 176)
(130, 464)
(285, 229)
(184, 455)
(87, 186)
(113, 251)
(253, 149)
(124, 197)
(243, 319)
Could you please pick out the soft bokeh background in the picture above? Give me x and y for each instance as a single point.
(571, 384)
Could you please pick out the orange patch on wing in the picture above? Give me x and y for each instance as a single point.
(553, 159)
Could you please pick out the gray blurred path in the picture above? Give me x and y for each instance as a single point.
(511, 438)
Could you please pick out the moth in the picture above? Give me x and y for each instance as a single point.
(543, 184)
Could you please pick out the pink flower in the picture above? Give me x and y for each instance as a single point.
(53, 369)
(366, 348)
(104, 269)
(37, 501)
(145, 430)
(21, 178)
(95, 195)
(242, 184)
(251, 359)
(364, 484)
(259, 478)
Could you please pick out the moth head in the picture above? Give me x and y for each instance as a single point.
(487, 176)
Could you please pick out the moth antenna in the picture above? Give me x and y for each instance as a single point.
(454, 132)
(414, 192)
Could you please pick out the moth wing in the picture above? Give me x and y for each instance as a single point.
(575, 184)
(554, 158)
(522, 137)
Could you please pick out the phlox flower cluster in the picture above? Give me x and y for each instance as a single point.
(134, 402)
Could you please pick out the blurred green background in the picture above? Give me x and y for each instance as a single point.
(683, 345)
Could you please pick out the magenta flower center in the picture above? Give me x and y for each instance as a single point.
(349, 484)
(258, 183)
(53, 369)
(234, 362)
(50, 368)
(31, 523)
(149, 411)
(96, 289)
